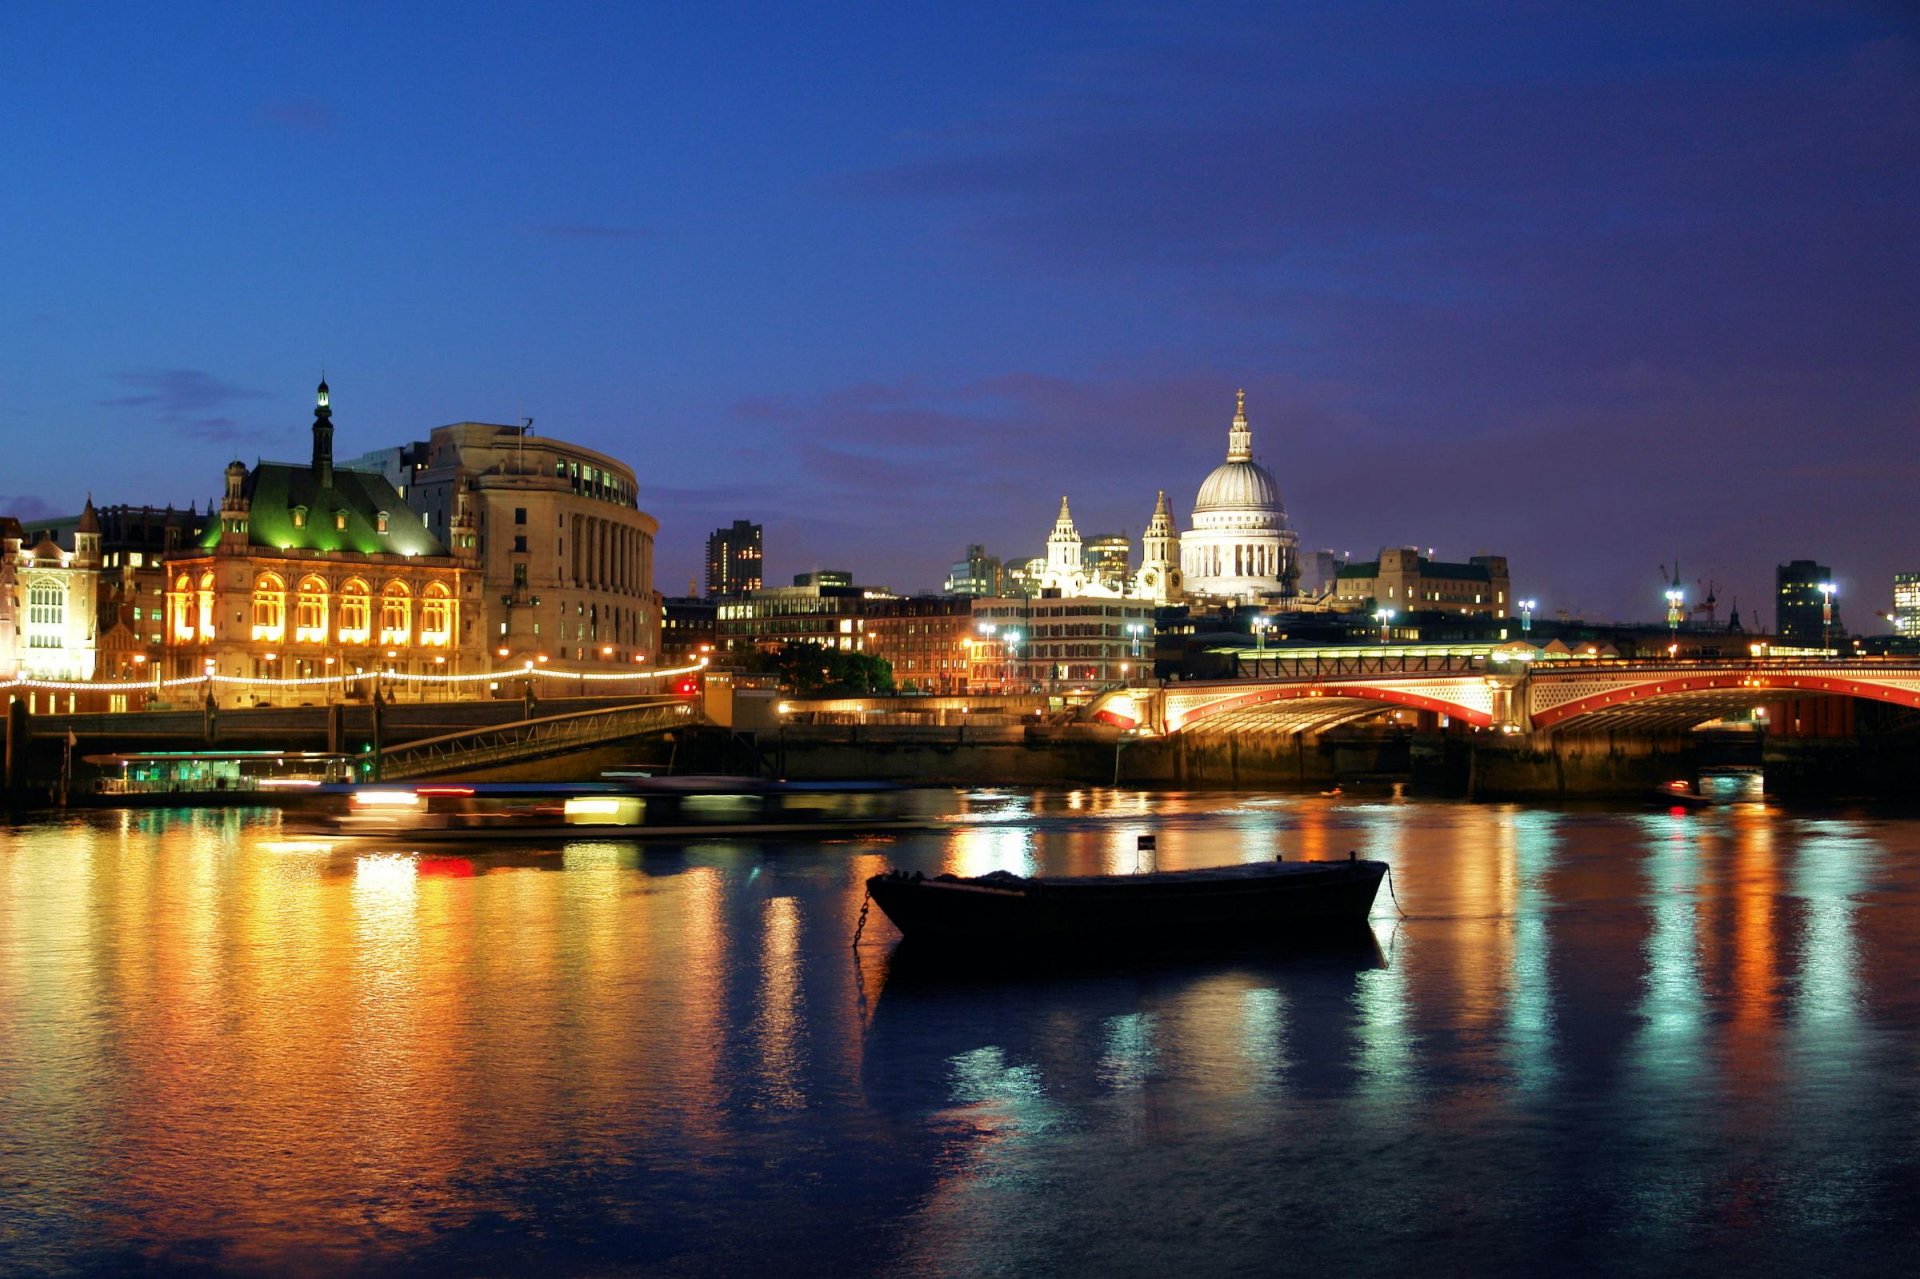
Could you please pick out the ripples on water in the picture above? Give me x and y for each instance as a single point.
(1602, 1041)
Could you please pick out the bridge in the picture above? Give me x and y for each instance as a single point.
(1472, 723)
(1531, 697)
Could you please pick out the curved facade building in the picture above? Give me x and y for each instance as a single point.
(1239, 547)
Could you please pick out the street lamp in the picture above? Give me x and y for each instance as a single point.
(1526, 615)
(1385, 618)
(1826, 614)
(1136, 630)
(1261, 625)
(1012, 638)
(1676, 601)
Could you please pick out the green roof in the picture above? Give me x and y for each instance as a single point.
(277, 489)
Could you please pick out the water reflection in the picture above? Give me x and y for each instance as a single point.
(1641, 1035)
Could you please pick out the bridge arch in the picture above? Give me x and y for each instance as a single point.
(1682, 699)
(1295, 708)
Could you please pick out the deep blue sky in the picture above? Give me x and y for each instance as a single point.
(1593, 291)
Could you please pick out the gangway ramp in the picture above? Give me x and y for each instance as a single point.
(528, 739)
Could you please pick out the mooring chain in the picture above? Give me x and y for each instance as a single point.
(860, 925)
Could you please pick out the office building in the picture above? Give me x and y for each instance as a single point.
(733, 559)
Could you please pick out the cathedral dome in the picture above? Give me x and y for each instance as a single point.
(1239, 486)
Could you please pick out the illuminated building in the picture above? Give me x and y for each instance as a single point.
(1059, 643)
(49, 602)
(978, 574)
(1240, 547)
(926, 639)
(1805, 616)
(1408, 582)
(313, 572)
(734, 560)
(1906, 604)
(565, 552)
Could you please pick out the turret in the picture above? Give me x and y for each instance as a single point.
(1160, 578)
(323, 436)
(86, 537)
(235, 507)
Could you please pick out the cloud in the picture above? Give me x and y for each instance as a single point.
(300, 115)
(26, 507)
(188, 400)
(589, 231)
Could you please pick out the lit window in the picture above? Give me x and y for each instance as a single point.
(355, 609)
(310, 611)
(436, 616)
(269, 608)
(380, 522)
(396, 614)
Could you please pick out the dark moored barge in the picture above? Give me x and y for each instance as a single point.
(1259, 902)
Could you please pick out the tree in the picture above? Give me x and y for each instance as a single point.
(813, 670)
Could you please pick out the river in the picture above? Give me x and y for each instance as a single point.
(1600, 1041)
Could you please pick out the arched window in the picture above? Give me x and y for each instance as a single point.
(436, 615)
(356, 611)
(269, 608)
(206, 606)
(180, 606)
(310, 612)
(396, 614)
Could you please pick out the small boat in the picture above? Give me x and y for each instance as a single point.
(628, 808)
(1681, 794)
(1257, 902)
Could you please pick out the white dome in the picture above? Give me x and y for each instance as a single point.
(1240, 487)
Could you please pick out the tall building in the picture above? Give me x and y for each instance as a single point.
(316, 572)
(733, 559)
(1240, 547)
(1108, 560)
(1806, 609)
(978, 574)
(1906, 604)
(565, 552)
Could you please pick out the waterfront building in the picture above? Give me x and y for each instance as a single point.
(1906, 605)
(1060, 644)
(49, 601)
(1240, 547)
(565, 552)
(978, 574)
(1406, 581)
(734, 559)
(761, 621)
(320, 572)
(1806, 608)
(925, 639)
(1318, 572)
(824, 577)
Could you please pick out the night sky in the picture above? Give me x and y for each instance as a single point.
(1590, 291)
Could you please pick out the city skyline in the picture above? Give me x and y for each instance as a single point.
(1629, 289)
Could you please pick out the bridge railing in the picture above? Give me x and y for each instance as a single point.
(1272, 664)
(525, 739)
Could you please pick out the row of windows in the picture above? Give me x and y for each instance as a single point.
(318, 615)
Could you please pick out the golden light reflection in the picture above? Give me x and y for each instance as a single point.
(781, 1022)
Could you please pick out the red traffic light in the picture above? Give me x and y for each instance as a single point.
(689, 687)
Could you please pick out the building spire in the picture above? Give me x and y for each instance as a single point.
(323, 434)
(1240, 437)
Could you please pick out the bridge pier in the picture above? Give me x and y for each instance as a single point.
(1550, 766)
